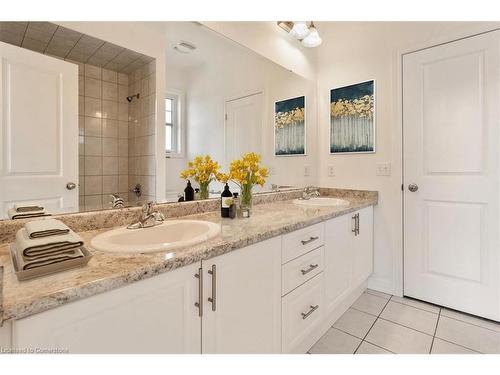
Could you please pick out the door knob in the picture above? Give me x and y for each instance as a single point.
(413, 187)
(70, 185)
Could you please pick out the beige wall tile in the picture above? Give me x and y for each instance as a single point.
(123, 111)
(123, 182)
(110, 91)
(93, 202)
(93, 185)
(81, 85)
(122, 165)
(109, 184)
(93, 146)
(93, 87)
(123, 129)
(93, 126)
(93, 165)
(93, 107)
(109, 76)
(81, 125)
(110, 146)
(110, 165)
(92, 71)
(123, 147)
(110, 109)
(110, 128)
(123, 79)
(122, 94)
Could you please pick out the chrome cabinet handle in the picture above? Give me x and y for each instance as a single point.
(311, 239)
(199, 304)
(213, 299)
(313, 309)
(70, 185)
(356, 224)
(311, 267)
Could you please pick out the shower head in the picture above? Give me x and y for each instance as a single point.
(130, 98)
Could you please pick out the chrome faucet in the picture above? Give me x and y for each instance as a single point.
(309, 192)
(149, 217)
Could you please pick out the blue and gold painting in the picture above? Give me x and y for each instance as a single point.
(290, 127)
(352, 118)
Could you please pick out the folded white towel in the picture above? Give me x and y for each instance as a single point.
(32, 248)
(45, 228)
(28, 208)
(13, 214)
(27, 264)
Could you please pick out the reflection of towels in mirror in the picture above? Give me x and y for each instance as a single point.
(23, 212)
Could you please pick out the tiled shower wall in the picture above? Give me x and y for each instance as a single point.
(103, 136)
(141, 131)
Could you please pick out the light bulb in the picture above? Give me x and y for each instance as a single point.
(299, 30)
(313, 39)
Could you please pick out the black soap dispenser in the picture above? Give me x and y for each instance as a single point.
(225, 202)
(188, 192)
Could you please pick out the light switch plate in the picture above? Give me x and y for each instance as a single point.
(331, 171)
(307, 171)
(383, 169)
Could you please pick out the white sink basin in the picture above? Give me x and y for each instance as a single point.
(168, 236)
(322, 202)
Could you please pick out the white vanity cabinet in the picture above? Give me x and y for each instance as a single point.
(278, 295)
(348, 256)
(242, 310)
(156, 315)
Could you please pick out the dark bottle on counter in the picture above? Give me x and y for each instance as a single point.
(188, 192)
(226, 199)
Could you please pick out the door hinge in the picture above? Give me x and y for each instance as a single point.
(402, 187)
(225, 116)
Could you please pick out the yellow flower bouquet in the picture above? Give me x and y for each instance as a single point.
(203, 170)
(246, 172)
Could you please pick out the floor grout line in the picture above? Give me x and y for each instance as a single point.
(415, 307)
(402, 325)
(472, 324)
(375, 321)
(454, 343)
(435, 330)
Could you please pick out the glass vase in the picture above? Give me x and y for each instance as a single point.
(204, 190)
(246, 196)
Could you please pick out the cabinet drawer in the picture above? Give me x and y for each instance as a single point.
(302, 311)
(301, 269)
(302, 241)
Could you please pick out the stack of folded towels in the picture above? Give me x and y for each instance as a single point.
(23, 212)
(44, 242)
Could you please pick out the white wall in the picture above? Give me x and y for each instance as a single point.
(269, 40)
(147, 38)
(230, 71)
(354, 52)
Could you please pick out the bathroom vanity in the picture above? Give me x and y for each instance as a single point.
(273, 283)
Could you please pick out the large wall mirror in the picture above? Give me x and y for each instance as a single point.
(79, 122)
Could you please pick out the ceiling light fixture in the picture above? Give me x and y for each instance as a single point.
(312, 39)
(303, 31)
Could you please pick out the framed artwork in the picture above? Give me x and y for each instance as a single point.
(290, 127)
(352, 118)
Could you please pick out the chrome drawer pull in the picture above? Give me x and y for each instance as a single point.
(313, 309)
(213, 299)
(311, 267)
(199, 304)
(311, 239)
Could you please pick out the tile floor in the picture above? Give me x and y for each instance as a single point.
(378, 323)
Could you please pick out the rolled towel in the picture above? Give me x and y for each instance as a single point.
(32, 248)
(13, 214)
(28, 208)
(45, 228)
(45, 261)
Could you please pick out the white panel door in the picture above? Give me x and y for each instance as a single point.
(451, 153)
(38, 130)
(151, 316)
(243, 131)
(245, 286)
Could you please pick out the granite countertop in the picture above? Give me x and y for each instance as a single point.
(108, 271)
